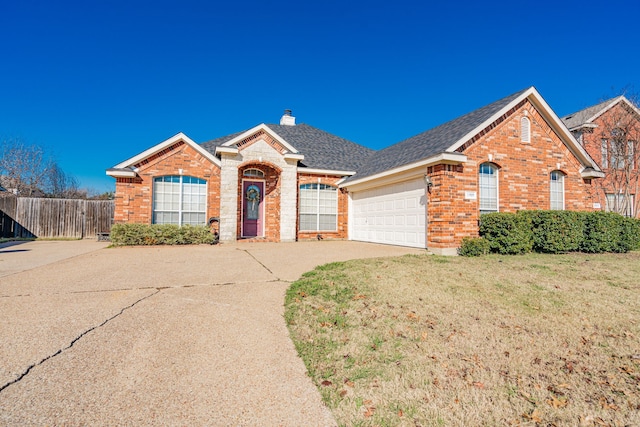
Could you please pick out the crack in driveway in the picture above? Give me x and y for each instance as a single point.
(75, 340)
(260, 262)
(142, 288)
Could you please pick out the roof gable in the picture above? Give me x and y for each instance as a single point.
(128, 167)
(586, 117)
(254, 133)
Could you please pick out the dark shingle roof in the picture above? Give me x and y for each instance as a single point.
(431, 142)
(321, 149)
(582, 117)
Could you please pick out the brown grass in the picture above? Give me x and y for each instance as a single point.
(430, 341)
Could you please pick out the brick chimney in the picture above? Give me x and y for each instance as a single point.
(287, 119)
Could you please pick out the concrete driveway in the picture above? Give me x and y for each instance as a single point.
(192, 335)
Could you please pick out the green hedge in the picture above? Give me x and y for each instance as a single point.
(559, 232)
(160, 234)
(507, 233)
(556, 231)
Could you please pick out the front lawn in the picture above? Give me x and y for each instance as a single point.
(453, 341)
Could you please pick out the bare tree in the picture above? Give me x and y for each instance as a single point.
(62, 185)
(23, 167)
(28, 170)
(619, 131)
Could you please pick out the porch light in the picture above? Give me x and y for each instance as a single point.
(428, 181)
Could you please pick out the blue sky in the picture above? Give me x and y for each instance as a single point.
(97, 82)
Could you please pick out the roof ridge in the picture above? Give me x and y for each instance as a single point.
(432, 141)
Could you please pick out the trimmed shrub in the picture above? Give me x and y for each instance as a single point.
(601, 232)
(160, 234)
(474, 246)
(629, 240)
(634, 228)
(507, 233)
(556, 231)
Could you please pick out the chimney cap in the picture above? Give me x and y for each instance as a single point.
(287, 119)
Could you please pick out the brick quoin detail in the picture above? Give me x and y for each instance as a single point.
(134, 195)
(343, 209)
(523, 177)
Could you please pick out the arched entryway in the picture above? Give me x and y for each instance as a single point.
(259, 198)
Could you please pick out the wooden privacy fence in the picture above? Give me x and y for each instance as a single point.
(54, 218)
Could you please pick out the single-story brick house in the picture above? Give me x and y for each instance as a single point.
(610, 132)
(291, 181)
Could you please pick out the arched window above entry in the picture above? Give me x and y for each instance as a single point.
(253, 173)
(525, 130)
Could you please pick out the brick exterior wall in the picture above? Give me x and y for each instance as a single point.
(523, 182)
(591, 140)
(523, 177)
(342, 231)
(133, 198)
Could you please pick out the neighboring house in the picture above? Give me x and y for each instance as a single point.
(292, 181)
(610, 132)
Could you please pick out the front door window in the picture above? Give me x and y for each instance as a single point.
(253, 201)
(252, 208)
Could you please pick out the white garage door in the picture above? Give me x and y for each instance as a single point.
(393, 214)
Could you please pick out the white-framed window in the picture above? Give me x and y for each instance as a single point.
(253, 173)
(556, 185)
(179, 200)
(488, 184)
(525, 130)
(318, 207)
(619, 203)
(604, 150)
(616, 154)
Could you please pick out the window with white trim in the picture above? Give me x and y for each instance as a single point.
(525, 130)
(621, 204)
(488, 184)
(318, 207)
(617, 152)
(179, 200)
(556, 185)
(604, 150)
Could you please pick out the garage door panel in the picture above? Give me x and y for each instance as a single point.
(395, 214)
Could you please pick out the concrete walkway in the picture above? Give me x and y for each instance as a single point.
(157, 335)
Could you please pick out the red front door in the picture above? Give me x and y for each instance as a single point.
(252, 208)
